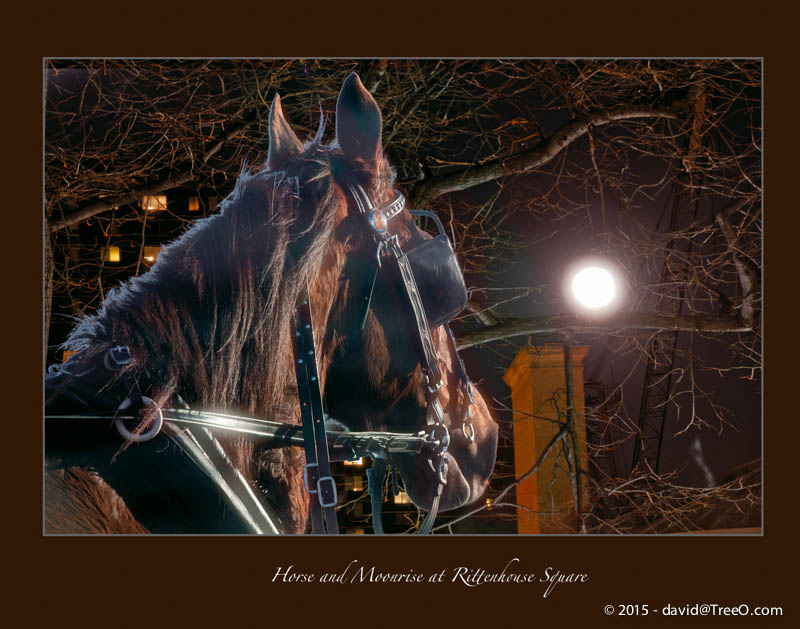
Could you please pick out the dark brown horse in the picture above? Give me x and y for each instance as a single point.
(211, 326)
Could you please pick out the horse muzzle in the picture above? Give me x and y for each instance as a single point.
(470, 466)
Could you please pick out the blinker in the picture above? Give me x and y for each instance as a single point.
(439, 280)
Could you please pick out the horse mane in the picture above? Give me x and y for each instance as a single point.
(218, 303)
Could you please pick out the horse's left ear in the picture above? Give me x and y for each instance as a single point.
(283, 143)
(358, 122)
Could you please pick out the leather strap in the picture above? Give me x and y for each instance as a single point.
(319, 483)
(429, 360)
(375, 476)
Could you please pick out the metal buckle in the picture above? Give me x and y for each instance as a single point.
(467, 427)
(468, 389)
(435, 388)
(441, 468)
(306, 481)
(117, 357)
(444, 466)
(321, 491)
(393, 246)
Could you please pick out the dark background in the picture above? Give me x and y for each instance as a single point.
(207, 581)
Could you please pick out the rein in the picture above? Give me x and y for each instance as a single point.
(343, 446)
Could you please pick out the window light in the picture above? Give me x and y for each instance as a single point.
(111, 254)
(154, 202)
(194, 204)
(150, 254)
(354, 483)
(402, 498)
(357, 463)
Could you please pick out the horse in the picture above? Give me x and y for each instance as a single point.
(209, 327)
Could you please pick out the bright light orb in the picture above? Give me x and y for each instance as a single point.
(594, 287)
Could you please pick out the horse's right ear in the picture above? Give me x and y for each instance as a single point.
(358, 122)
(283, 143)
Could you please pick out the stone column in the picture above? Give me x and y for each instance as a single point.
(538, 396)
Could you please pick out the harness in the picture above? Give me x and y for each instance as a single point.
(434, 286)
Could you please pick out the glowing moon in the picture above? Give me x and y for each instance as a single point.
(593, 287)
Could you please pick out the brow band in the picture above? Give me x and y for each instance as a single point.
(394, 208)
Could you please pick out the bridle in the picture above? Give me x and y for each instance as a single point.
(437, 251)
(434, 287)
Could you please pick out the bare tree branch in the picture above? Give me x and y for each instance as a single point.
(484, 315)
(530, 159)
(627, 321)
(81, 214)
(747, 274)
(103, 206)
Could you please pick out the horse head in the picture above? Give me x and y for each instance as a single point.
(371, 359)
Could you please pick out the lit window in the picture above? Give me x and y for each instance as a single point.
(194, 204)
(67, 354)
(356, 463)
(354, 483)
(150, 254)
(402, 498)
(154, 202)
(355, 531)
(111, 254)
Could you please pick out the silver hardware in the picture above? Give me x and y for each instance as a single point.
(332, 490)
(305, 478)
(158, 421)
(468, 430)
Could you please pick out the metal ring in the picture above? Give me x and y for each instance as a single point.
(158, 421)
(471, 436)
(444, 465)
(439, 436)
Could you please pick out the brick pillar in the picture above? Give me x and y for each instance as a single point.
(537, 381)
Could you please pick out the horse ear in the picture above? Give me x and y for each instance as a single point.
(283, 143)
(358, 122)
